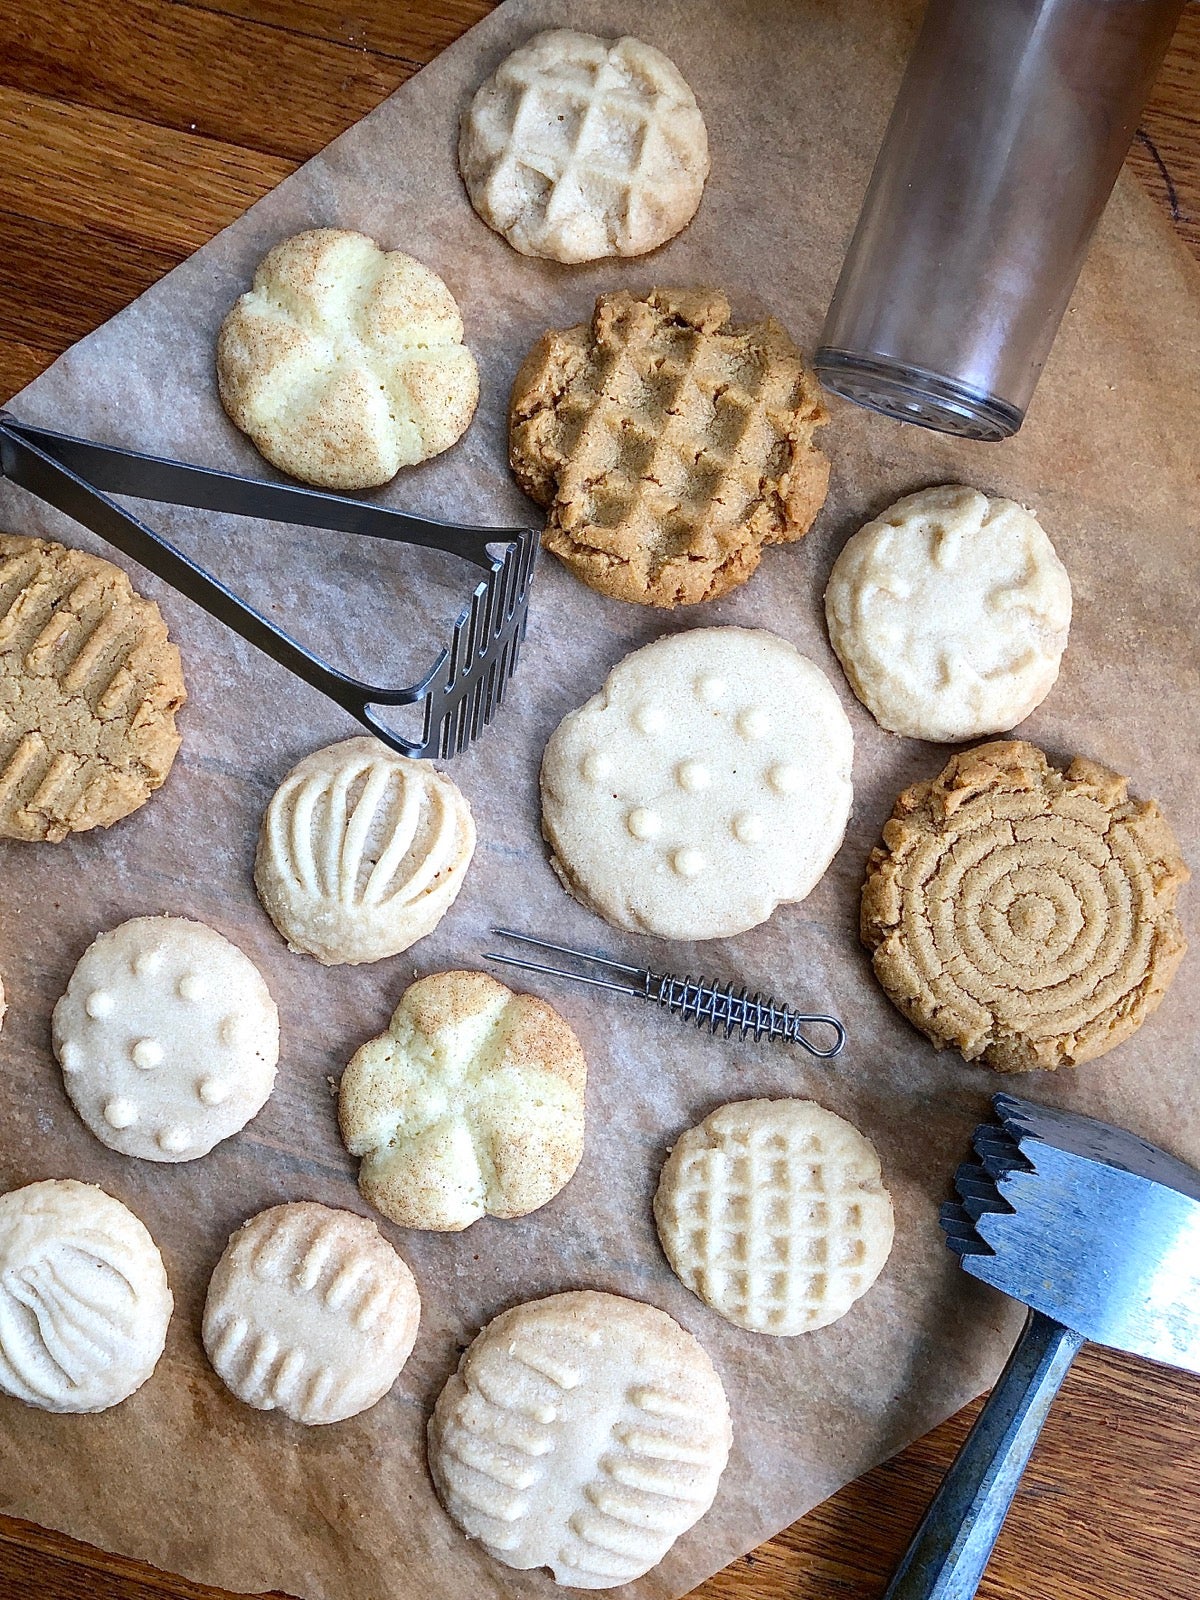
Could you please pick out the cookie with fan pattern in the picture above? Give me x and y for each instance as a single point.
(361, 852)
(310, 1312)
(84, 1298)
(583, 1433)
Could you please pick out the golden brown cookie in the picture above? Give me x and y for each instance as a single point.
(669, 445)
(89, 687)
(1023, 914)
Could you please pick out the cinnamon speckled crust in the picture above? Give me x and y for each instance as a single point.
(670, 445)
(1023, 914)
(89, 687)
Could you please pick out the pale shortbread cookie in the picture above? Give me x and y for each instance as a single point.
(84, 1298)
(346, 362)
(950, 613)
(310, 1312)
(361, 852)
(583, 1433)
(470, 1105)
(707, 783)
(578, 147)
(167, 1037)
(775, 1214)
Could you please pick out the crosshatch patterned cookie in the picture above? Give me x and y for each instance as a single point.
(1023, 914)
(84, 1298)
(774, 1213)
(583, 1433)
(578, 147)
(167, 1037)
(669, 444)
(949, 613)
(345, 362)
(362, 852)
(705, 784)
(470, 1105)
(310, 1312)
(89, 687)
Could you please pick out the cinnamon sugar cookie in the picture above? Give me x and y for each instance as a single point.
(1022, 914)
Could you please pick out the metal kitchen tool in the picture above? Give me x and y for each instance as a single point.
(1098, 1233)
(461, 690)
(713, 1006)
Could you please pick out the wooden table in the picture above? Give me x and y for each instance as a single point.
(130, 132)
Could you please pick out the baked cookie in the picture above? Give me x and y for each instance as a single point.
(583, 1433)
(361, 852)
(310, 1312)
(84, 1299)
(346, 362)
(705, 784)
(949, 613)
(578, 147)
(89, 687)
(669, 444)
(167, 1037)
(774, 1213)
(470, 1105)
(1023, 914)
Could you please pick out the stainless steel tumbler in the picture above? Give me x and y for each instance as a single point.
(1011, 125)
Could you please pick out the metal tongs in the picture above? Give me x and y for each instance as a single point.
(463, 687)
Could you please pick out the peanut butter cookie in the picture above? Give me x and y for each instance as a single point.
(669, 444)
(1022, 914)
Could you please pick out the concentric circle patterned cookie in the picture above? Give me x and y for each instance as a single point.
(949, 613)
(84, 1299)
(470, 1105)
(1023, 914)
(707, 783)
(578, 147)
(361, 852)
(167, 1037)
(670, 444)
(89, 687)
(345, 362)
(310, 1312)
(775, 1214)
(583, 1433)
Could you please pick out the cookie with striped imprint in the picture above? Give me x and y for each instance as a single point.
(89, 687)
(84, 1298)
(583, 1433)
(361, 852)
(310, 1312)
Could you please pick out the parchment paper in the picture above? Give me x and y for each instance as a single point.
(796, 96)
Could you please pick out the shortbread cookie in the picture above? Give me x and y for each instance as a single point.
(669, 444)
(310, 1312)
(470, 1105)
(167, 1037)
(84, 1299)
(1022, 914)
(578, 147)
(89, 687)
(949, 613)
(707, 783)
(583, 1433)
(774, 1213)
(362, 852)
(346, 362)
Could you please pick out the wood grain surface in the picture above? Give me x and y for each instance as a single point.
(130, 132)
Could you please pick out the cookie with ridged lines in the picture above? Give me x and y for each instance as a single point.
(361, 852)
(84, 1298)
(89, 687)
(1024, 914)
(310, 1312)
(583, 1433)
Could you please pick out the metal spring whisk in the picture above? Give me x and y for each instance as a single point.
(713, 1006)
